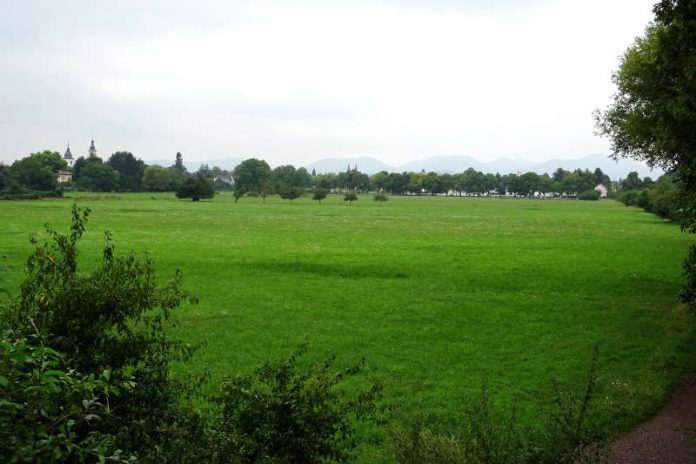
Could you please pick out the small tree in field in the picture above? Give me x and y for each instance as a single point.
(238, 193)
(290, 193)
(350, 197)
(195, 188)
(319, 194)
(380, 197)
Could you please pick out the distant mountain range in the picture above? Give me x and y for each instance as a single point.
(452, 164)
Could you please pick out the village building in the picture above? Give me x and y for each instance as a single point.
(601, 188)
(92, 151)
(64, 176)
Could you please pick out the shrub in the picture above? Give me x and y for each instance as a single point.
(591, 195)
(350, 197)
(195, 188)
(277, 414)
(112, 319)
(319, 194)
(50, 413)
(290, 193)
(380, 197)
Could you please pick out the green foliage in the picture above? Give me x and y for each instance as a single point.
(319, 194)
(350, 197)
(93, 175)
(49, 412)
(16, 192)
(632, 182)
(353, 179)
(290, 193)
(238, 193)
(195, 187)
(130, 170)
(178, 165)
(38, 171)
(157, 179)
(251, 175)
(688, 294)
(665, 198)
(591, 195)
(287, 176)
(110, 320)
(5, 176)
(380, 197)
(652, 114)
(280, 415)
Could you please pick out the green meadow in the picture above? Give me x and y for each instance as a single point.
(439, 295)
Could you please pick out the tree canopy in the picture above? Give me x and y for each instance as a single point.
(38, 171)
(129, 168)
(653, 113)
(195, 187)
(157, 179)
(251, 175)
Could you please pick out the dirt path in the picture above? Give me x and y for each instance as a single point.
(667, 438)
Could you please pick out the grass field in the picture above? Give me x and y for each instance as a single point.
(439, 294)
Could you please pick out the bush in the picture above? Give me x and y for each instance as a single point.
(277, 414)
(350, 197)
(195, 188)
(319, 194)
(380, 197)
(589, 195)
(628, 197)
(290, 193)
(50, 413)
(110, 320)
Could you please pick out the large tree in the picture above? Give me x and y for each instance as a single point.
(252, 175)
(653, 113)
(5, 175)
(92, 174)
(129, 168)
(195, 187)
(157, 179)
(38, 171)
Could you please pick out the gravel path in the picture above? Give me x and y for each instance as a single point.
(667, 438)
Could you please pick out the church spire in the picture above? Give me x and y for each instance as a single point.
(92, 149)
(67, 157)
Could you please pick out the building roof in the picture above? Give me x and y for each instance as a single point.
(68, 154)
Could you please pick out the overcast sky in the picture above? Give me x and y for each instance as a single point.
(297, 81)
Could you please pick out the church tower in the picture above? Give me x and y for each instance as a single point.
(92, 150)
(67, 157)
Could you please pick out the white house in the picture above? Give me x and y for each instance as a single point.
(64, 176)
(602, 190)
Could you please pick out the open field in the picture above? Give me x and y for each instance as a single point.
(439, 294)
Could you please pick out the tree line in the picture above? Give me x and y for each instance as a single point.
(122, 171)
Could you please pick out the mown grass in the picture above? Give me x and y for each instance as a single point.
(439, 294)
